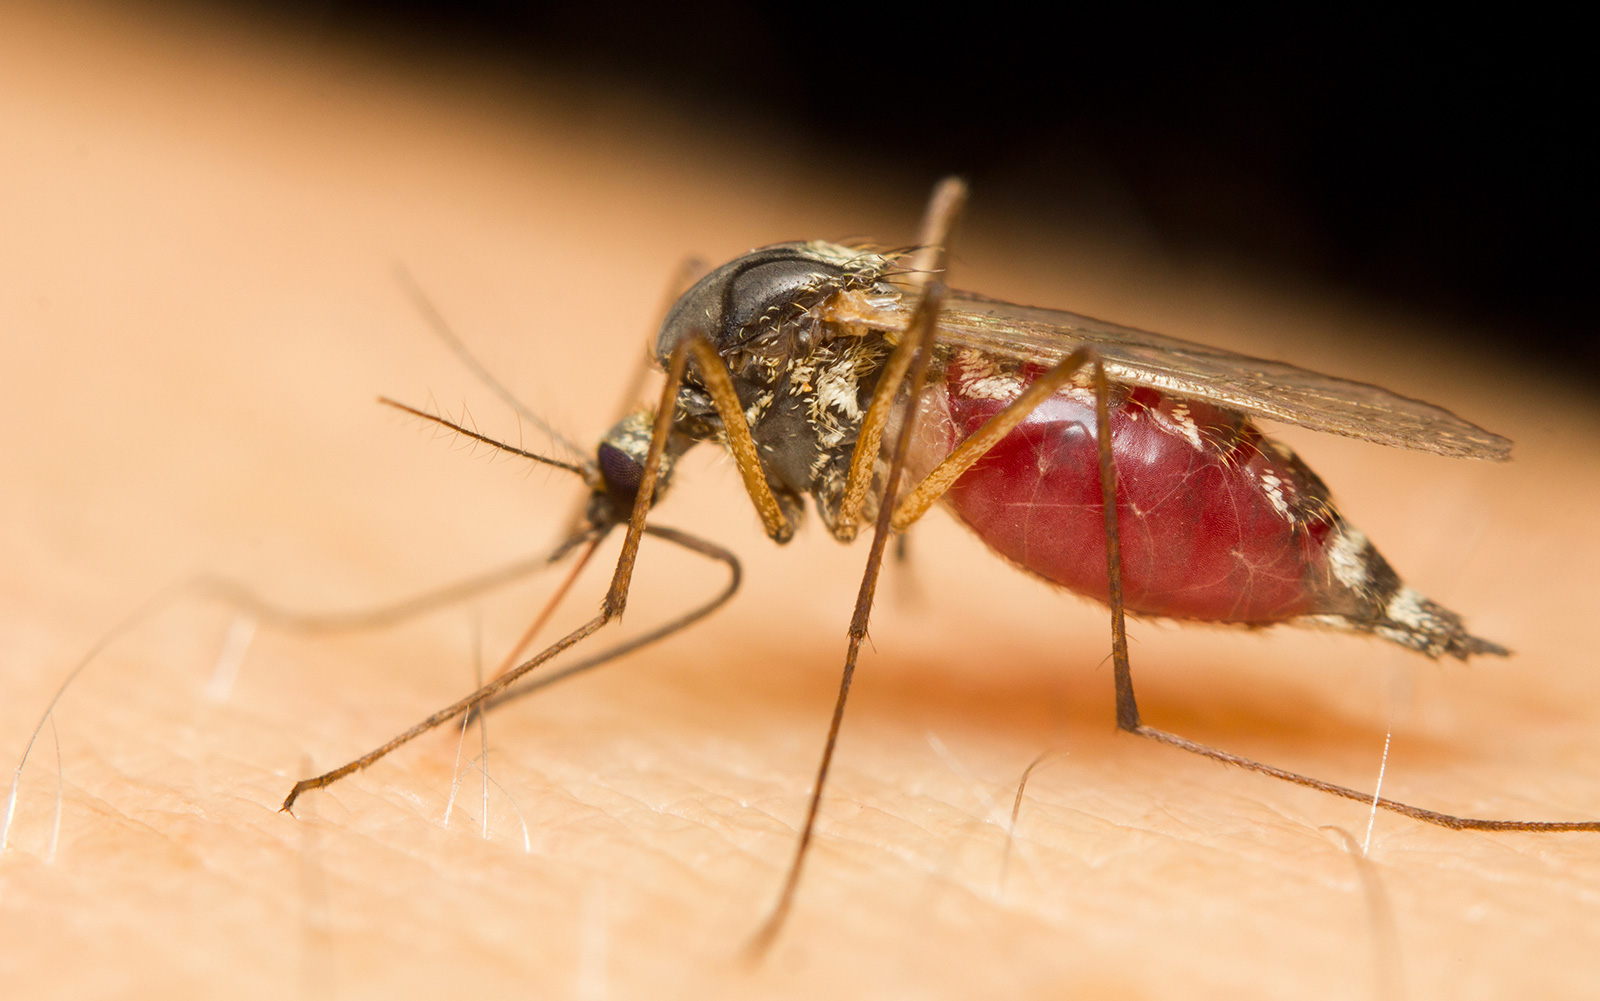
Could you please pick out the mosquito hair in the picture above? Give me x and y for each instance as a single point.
(864, 248)
(469, 421)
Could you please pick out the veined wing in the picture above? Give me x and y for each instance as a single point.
(1271, 389)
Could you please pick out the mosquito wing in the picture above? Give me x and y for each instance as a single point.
(1271, 389)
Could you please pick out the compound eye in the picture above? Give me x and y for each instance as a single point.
(621, 472)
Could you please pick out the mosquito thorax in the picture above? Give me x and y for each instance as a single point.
(765, 300)
(803, 382)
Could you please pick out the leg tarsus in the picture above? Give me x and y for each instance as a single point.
(1414, 812)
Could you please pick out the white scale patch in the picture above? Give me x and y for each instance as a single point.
(1347, 557)
(1188, 428)
(757, 408)
(837, 388)
(980, 380)
(1274, 489)
(836, 392)
(1408, 607)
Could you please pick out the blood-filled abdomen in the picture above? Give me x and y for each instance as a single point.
(1216, 522)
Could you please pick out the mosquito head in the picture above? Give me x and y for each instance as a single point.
(762, 300)
(619, 468)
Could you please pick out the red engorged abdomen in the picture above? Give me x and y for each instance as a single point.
(1213, 525)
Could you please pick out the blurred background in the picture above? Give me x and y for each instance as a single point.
(1435, 165)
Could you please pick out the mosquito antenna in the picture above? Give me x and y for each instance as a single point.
(443, 331)
(495, 443)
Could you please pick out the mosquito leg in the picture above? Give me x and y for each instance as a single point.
(1128, 710)
(689, 271)
(974, 447)
(611, 607)
(1415, 812)
(978, 444)
(714, 375)
(941, 214)
(550, 606)
(869, 439)
(933, 236)
(705, 548)
(922, 328)
(944, 207)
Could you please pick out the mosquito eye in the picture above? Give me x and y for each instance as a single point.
(621, 471)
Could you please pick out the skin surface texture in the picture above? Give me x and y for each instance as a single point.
(198, 306)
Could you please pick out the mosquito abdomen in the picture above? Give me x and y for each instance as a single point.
(1217, 522)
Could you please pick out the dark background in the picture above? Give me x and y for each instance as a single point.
(1435, 163)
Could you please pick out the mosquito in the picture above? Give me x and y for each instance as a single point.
(1119, 464)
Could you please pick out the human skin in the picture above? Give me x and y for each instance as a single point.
(197, 254)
